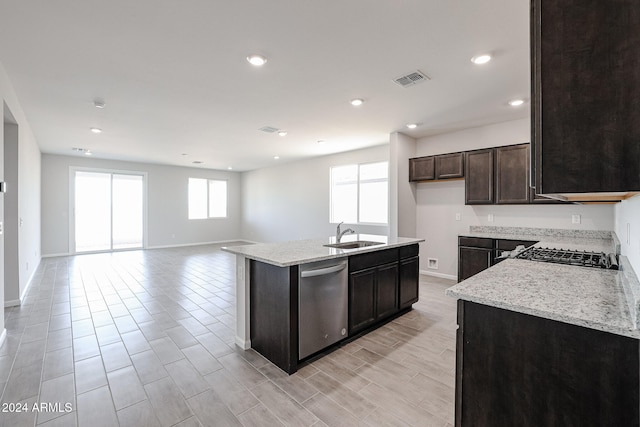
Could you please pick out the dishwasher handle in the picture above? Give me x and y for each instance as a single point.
(323, 271)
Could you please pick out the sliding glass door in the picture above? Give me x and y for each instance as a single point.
(108, 211)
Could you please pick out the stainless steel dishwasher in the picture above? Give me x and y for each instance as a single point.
(323, 304)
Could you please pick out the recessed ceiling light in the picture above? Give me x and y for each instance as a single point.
(481, 59)
(276, 157)
(95, 130)
(412, 125)
(88, 153)
(257, 60)
(184, 154)
(98, 103)
(230, 168)
(321, 141)
(516, 102)
(282, 132)
(357, 102)
(197, 162)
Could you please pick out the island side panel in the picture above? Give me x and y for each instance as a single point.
(518, 369)
(243, 278)
(274, 313)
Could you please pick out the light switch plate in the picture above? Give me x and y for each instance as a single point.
(457, 217)
(490, 217)
(575, 219)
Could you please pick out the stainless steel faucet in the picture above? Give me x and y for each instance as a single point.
(339, 233)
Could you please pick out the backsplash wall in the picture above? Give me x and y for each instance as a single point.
(627, 226)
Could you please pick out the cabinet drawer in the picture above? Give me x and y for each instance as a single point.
(509, 245)
(475, 242)
(372, 259)
(408, 251)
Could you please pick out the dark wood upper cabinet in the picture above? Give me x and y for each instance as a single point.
(512, 174)
(442, 166)
(478, 172)
(422, 168)
(585, 64)
(450, 166)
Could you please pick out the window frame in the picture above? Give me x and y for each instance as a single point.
(207, 199)
(358, 182)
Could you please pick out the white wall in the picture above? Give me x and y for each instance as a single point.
(438, 202)
(291, 201)
(402, 198)
(167, 203)
(28, 191)
(627, 215)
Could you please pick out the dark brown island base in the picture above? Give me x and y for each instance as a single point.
(380, 283)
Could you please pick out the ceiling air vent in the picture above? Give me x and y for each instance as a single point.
(411, 79)
(269, 129)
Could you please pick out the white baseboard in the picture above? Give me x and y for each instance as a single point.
(181, 245)
(3, 337)
(243, 344)
(17, 302)
(441, 275)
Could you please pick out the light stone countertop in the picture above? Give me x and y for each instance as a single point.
(285, 254)
(583, 296)
(606, 300)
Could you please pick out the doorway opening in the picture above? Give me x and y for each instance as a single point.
(108, 211)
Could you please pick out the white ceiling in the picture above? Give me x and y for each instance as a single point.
(175, 79)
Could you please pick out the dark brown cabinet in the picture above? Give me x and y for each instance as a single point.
(478, 172)
(409, 280)
(512, 174)
(373, 295)
(442, 166)
(499, 175)
(514, 369)
(450, 166)
(381, 285)
(585, 67)
(422, 168)
(474, 255)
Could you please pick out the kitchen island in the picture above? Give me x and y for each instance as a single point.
(383, 283)
(548, 344)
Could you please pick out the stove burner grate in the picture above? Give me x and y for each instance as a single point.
(562, 256)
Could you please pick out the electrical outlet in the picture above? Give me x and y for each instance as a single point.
(457, 217)
(575, 219)
(490, 217)
(628, 234)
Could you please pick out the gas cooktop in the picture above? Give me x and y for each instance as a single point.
(562, 256)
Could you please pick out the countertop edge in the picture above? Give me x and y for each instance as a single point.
(631, 333)
(344, 253)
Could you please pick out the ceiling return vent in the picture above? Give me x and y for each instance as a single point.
(268, 129)
(411, 79)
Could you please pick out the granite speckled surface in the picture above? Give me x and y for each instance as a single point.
(582, 296)
(284, 254)
(579, 240)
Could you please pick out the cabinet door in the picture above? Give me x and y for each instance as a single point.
(472, 261)
(386, 290)
(478, 175)
(450, 166)
(422, 168)
(512, 174)
(409, 279)
(585, 88)
(362, 299)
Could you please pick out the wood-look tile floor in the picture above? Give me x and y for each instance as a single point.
(146, 338)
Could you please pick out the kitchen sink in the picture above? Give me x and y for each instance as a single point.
(354, 245)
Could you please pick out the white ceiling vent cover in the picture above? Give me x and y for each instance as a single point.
(411, 79)
(268, 129)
